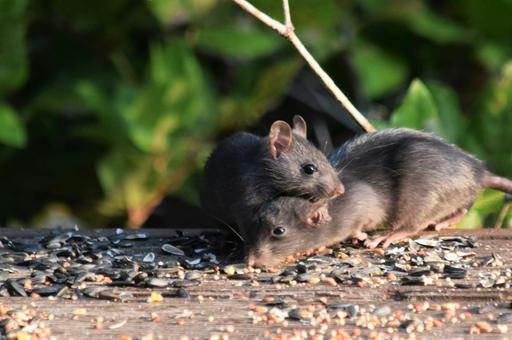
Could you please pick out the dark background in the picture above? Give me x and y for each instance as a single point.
(107, 107)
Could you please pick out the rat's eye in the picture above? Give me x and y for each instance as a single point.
(278, 231)
(309, 169)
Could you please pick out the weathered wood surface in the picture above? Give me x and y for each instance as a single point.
(229, 302)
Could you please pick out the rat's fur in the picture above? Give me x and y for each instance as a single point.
(401, 178)
(294, 213)
(245, 171)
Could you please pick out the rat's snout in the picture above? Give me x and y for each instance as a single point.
(337, 190)
(258, 257)
(250, 260)
(254, 261)
(253, 257)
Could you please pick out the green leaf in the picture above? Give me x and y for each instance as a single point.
(233, 42)
(419, 18)
(490, 18)
(171, 12)
(452, 124)
(418, 109)
(175, 100)
(488, 202)
(436, 28)
(379, 72)
(13, 59)
(494, 53)
(259, 88)
(12, 131)
(491, 123)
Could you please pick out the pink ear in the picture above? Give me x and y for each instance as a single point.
(279, 138)
(299, 126)
(318, 215)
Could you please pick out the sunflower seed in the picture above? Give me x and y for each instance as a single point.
(170, 249)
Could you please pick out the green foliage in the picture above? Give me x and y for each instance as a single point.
(105, 112)
(162, 126)
(387, 72)
(13, 62)
(223, 41)
(170, 12)
(12, 131)
(418, 110)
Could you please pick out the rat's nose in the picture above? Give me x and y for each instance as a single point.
(250, 260)
(338, 190)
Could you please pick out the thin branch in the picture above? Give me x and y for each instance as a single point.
(287, 17)
(272, 23)
(329, 83)
(502, 214)
(287, 31)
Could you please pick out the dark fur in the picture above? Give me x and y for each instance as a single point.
(396, 177)
(292, 214)
(416, 176)
(241, 175)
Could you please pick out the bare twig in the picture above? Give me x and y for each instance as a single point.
(503, 214)
(287, 17)
(287, 31)
(273, 24)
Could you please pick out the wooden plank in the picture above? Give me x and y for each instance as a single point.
(220, 306)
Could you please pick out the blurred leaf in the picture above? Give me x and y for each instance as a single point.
(107, 110)
(167, 118)
(175, 99)
(494, 53)
(113, 176)
(258, 89)
(491, 123)
(487, 202)
(379, 72)
(452, 124)
(173, 12)
(436, 28)
(323, 29)
(12, 131)
(13, 60)
(251, 42)
(418, 17)
(491, 18)
(418, 109)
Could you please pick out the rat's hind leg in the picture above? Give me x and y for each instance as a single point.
(387, 239)
(451, 220)
(401, 233)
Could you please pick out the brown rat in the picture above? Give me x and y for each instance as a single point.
(285, 224)
(402, 178)
(246, 170)
(421, 180)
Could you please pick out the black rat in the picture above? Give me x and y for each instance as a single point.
(402, 178)
(285, 226)
(246, 170)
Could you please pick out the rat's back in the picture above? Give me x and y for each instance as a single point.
(418, 175)
(221, 184)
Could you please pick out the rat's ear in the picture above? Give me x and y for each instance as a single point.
(280, 138)
(318, 215)
(299, 126)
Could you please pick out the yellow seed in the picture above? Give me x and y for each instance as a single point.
(484, 326)
(155, 297)
(313, 280)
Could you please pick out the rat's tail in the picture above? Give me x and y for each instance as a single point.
(492, 181)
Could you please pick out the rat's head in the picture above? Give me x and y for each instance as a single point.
(286, 226)
(297, 167)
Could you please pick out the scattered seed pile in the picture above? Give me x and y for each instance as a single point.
(72, 265)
